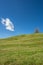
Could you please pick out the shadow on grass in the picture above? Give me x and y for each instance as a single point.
(10, 62)
(32, 61)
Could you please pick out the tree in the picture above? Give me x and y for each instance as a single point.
(36, 30)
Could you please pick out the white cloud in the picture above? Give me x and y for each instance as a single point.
(8, 24)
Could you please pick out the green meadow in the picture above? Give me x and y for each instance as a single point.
(22, 50)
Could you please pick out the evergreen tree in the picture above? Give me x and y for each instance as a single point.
(36, 30)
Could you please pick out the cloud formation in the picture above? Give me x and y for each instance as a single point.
(8, 24)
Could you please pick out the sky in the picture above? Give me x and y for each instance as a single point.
(20, 17)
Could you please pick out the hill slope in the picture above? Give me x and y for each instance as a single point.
(22, 50)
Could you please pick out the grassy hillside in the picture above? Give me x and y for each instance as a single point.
(22, 50)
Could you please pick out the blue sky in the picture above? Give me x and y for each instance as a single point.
(26, 15)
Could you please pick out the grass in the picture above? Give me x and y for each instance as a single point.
(22, 50)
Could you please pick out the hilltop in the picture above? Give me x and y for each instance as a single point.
(22, 50)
